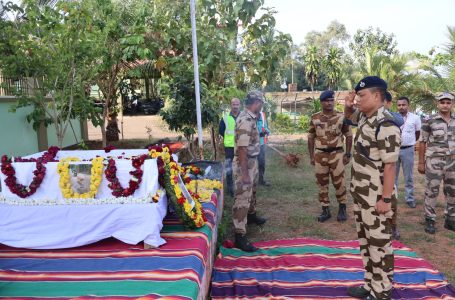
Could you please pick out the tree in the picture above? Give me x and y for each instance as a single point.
(48, 46)
(180, 113)
(332, 37)
(370, 39)
(236, 51)
(332, 67)
(312, 65)
(120, 40)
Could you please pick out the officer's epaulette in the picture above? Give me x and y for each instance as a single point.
(386, 116)
(315, 114)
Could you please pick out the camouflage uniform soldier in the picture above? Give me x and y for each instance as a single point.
(377, 145)
(245, 167)
(326, 132)
(437, 161)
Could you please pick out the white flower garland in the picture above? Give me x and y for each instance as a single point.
(79, 201)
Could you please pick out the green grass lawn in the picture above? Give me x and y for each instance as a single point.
(291, 206)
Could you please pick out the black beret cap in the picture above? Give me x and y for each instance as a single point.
(326, 95)
(370, 82)
(388, 96)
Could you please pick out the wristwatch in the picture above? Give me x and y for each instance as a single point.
(387, 200)
(348, 155)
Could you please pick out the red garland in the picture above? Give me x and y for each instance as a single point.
(11, 180)
(114, 183)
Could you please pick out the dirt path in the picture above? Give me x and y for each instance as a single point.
(138, 127)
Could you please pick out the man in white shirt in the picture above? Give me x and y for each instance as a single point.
(410, 133)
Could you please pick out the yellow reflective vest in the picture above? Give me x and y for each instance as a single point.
(229, 133)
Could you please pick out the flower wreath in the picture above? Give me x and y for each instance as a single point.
(169, 171)
(204, 188)
(11, 180)
(135, 181)
(65, 183)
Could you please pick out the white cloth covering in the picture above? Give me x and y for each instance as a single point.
(66, 226)
(70, 225)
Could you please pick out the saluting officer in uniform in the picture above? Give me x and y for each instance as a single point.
(377, 146)
(245, 168)
(326, 133)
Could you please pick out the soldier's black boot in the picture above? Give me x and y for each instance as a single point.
(262, 181)
(255, 219)
(342, 215)
(243, 244)
(429, 226)
(325, 215)
(358, 292)
(449, 224)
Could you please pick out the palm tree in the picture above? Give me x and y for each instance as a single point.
(450, 50)
(332, 64)
(312, 65)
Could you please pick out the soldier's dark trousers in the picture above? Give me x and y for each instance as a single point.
(261, 163)
(439, 169)
(229, 156)
(330, 165)
(245, 194)
(374, 232)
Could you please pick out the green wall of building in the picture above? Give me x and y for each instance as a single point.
(17, 136)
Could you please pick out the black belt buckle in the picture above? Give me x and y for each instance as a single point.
(406, 147)
(328, 150)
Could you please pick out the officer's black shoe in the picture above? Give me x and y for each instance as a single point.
(358, 292)
(395, 233)
(429, 226)
(411, 204)
(449, 225)
(255, 219)
(243, 244)
(325, 215)
(342, 215)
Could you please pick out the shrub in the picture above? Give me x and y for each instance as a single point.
(283, 123)
(304, 123)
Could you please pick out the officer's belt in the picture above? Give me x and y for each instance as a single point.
(406, 147)
(328, 150)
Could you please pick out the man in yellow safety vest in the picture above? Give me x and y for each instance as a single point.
(227, 132)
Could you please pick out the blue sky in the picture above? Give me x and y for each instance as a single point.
(418, 25)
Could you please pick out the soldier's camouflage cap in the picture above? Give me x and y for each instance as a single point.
(445, 95)
(254, 96)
